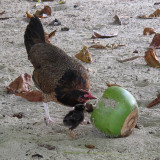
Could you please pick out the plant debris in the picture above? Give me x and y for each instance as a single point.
(84, 55)
(114, 46)
(121, 19)
(97, 34)
(148, 31)
(20, 87)
(155, 14)
(110, 85)
(48, 36)
(20, 84)
(19, 115)
(98, 46)
(49, 147)
(90, 146)
(135, 51)
(154, 102)
(55, 22)
(37, 155)
(32, 96)
(151, 58)
(65, 29)
(44, 13)
(129, 59)
(155, 41)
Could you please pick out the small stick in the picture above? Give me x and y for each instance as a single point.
(4, 18)
(154, 102)
(129, 59)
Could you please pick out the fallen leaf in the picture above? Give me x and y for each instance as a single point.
(154, 102)
(33, 96)
(48, 36)
(98, 46)
(19, 115)
(84, 55)
(148, 31)
(155, 14)
(151, 58)
(90, 146)
(44, 13)
(20, 84)
(121, 19)
(155, 41)
(97, 34)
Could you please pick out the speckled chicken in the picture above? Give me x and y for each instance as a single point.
(74, 118)
(60, 78)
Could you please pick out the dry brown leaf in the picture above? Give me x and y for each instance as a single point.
(20, 84)
(155, 14)
(97, 46)
(97, 34)
(44, 13)
(48, 36)
(90, 146)
(33, 96)
(84, 55)
(151, 58)
(148, 31)
(121, 19)
(155, 41)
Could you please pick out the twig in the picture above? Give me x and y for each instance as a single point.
(154, 102)
(4, 18)
(129, 59)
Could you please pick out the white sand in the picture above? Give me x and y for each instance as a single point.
(19, 138)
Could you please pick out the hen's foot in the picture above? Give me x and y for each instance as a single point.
(48, 120)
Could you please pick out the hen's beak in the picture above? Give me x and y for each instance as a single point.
(91, 97)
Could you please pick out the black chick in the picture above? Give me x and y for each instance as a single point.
(74, 118)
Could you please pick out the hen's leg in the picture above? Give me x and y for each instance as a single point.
(71, 133)
(48, 118)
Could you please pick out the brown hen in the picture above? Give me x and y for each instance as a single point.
(60, 78)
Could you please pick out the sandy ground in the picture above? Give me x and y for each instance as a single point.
(22, 138)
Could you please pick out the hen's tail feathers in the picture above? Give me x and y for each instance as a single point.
(34, 33)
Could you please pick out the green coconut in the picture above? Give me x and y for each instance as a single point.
(118, 120)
